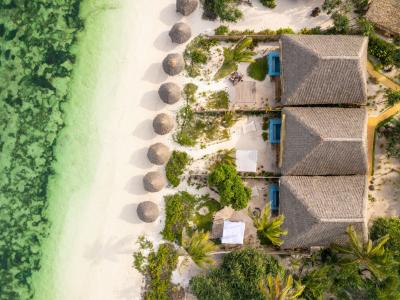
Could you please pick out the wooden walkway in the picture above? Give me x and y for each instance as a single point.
(373, 122)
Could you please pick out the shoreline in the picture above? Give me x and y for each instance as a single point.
(76, 152)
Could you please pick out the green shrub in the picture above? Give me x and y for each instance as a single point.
(221, 30)
(175, 167)
(258, 70)
(229, 186)
(285, 30)
(218, 100)
(381, 49)
(392, 133)
(341, 23)
(178, 210)
(159, 272)
(268, 3)
(226, 10)
(314, 30)
(238, 277)
(265, 135)
(391, 226)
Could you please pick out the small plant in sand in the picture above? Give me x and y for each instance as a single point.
(275, 287)
(230, 186)
(189, 93)
(218, 100)
(391, 131)
(269, 229)
(235, 55)
(197, 54)
(176, 166)
(199, 248)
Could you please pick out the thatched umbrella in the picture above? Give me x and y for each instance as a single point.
(153, 182)
(158, 154)
(148, 211)
(180, 33)
(186, 7)
(169, 92)
(173, 64)
(163, 123)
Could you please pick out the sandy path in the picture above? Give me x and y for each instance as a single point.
(374, 121)
(94, 260)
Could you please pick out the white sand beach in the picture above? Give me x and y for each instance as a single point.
(94, 257)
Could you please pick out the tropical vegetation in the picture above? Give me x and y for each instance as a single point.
(225, 10)
(277, 288)
(176, 166)
(230, 186)
(366, 256)
(157, 267)
(269, 229)
(199, 248)
(36, 62)
(387, 226)
(268, 3)
(237, 278)
(391, 131)
(235, 55)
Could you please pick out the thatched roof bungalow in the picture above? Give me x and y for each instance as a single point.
(318, 209)
(323, 69)
(385, 15)
(324, 141)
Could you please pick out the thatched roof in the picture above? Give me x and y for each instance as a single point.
(148, 211)
(158, 154)
(153, 182)
(318, 210)
(173, 64)
(385, 15)
(180, 33)
(324, 141)
(323, 69)
(163, 123)
(186, 7)
(170, 92)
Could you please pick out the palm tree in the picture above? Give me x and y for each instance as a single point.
(199, 247)
(269, 228)
(234, 55)
(369, 255)
(274, 288)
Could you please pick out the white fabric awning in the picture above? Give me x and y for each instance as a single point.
(233, 232)
(246, 160)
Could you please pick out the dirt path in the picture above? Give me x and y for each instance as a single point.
(374, 121)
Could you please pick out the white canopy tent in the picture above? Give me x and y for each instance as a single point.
(233, 232)
(246, 160)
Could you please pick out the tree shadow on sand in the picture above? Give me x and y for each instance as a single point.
(169, 16)
(108, 250)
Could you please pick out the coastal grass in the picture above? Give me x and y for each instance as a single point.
(197, 53)
(218, 100)
(36, 59)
